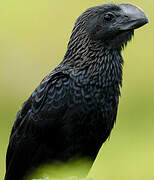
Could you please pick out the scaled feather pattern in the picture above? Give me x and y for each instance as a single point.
(73, 110)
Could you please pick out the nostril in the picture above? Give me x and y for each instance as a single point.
(126, 16)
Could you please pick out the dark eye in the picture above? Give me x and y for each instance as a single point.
(108, 17)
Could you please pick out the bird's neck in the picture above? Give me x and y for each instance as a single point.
(94, 59)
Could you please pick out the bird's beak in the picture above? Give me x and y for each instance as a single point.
(133, 17)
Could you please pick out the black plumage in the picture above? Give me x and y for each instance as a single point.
(73, 110)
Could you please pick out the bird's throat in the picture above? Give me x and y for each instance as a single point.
(93, 60)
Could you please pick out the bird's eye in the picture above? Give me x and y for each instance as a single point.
(108, 17)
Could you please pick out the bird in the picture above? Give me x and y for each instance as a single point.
(73, 110)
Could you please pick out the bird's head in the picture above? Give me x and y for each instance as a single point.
(112, 24)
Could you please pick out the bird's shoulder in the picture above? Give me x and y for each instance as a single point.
(49, 92)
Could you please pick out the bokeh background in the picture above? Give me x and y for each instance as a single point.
(33, 39)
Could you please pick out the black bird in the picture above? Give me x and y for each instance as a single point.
(73, 110)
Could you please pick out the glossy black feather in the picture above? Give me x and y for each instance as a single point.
(73, 110)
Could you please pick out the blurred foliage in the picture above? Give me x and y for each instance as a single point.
(60, 171)
(33, 39)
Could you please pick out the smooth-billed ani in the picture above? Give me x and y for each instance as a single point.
(73, 110)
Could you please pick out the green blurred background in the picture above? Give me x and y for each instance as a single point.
(33, 39)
